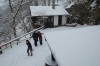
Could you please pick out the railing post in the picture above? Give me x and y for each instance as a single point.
(10, 45)
(53, 59)
(6, 45)
(0, 51)
(17, 41)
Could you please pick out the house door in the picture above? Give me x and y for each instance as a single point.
(60, 20)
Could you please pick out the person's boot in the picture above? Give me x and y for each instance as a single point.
(31, 54)
(28, 54)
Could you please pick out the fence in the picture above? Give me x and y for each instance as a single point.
(17, 40)
(52, 56)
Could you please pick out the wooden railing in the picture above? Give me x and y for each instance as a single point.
(52, 54)
(17, 40)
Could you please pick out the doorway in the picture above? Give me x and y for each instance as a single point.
(60, 20)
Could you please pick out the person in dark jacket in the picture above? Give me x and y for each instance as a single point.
(35, 38)
(29, 47)
(40, 37)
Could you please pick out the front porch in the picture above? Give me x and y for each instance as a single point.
(38, 21)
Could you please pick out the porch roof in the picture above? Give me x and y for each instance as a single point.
(47, 10)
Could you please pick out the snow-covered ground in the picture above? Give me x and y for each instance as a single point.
(17, 56)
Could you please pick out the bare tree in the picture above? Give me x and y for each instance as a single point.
(10, 18)
(5, 26)
(15, 10)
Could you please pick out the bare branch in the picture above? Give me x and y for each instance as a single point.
(18, 8)
(10, 6)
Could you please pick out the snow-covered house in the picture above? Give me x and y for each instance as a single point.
(53, 17)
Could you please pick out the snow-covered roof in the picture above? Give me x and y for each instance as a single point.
(70, 5)
(47, 10)
(76, 47)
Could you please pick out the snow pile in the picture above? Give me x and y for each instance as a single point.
(70, 5)
(93, 4)
(76, 47)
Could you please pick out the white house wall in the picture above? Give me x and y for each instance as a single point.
(64, 19)
(55, 20)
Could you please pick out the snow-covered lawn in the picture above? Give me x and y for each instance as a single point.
(17, 56)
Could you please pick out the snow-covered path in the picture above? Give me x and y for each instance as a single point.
(17, 55)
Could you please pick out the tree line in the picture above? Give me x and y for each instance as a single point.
(13, 16)
(85, 12)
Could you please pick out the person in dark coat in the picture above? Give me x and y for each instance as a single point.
(29, 47)
(40, 37)
(35, 38)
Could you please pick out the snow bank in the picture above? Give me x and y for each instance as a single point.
(76, 47)
(93, 4)
(70, 5)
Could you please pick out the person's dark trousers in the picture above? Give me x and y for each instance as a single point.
(28, 51)
(41, 42)
(35, 43)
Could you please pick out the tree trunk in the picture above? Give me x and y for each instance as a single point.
(14, 27)
(14, 15)
(32, 24)
(44, 3)
(15, 32)
(48, 2)
(24, 25)
(57, 1)
(36, 2)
